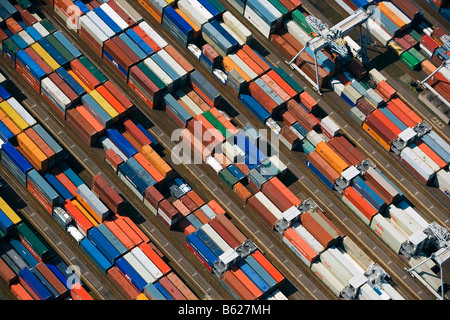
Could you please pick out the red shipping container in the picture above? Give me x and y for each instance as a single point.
(428, 43)
(232, 242)
(265, 214)
(171, 289)
(231, 228)
(80, 219)
(122, 13)
(255, 57)
(84, 74)
(155, 258)
(120, 234)
(283, 84)
(360, 203)
(122, 282)
(316, 229)
(268, 266)
(78, 292)
(308, 101)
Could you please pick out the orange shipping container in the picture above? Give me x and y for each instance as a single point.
(391, 15)
(156, 259)
(10, 125)
(32, 151)
(137, 240)
(149, 167)
(240, 275)
(229, 65)
(112, 100)
(237, 286)
(268, 266)
(275, 87)
(241, 191)
(429, 152)
(374, 135)
(135, 228)
(300, 245)
(120, 234)
(156, 160)
(19, 292)
(90, 118)
(250, 62)
(331, 157)
(407, 110)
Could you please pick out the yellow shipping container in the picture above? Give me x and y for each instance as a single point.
(9, 123)
(229, 65)
(374, 135)
(85, 212)
(9, 212)
(141, 296)
(105, 105)
(13, 115)
(156, 160)
(41, 52)
(331, 157)
(32, 151)
(81, 83)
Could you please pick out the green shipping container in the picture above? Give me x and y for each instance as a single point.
(416, 36)
(277, 4)
(300, 19)
(228, 178)
(24, 4)
(151, 75)
(34, 241)
(48, 25)
(213, 120)
(286, 77)
(10, 46)
(410, 61)
(420, 57)
(88, 64)
(268, 164)
(218, 6)
(58, 46)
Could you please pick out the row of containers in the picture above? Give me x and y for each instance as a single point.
(131, 152)
(93, 216)
(28, 265)
(365, 92)
(400, 27)
(183, 115)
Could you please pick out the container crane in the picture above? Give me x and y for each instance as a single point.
(446, 45)
(332, 37)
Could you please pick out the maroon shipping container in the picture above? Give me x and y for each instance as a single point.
(407, 7)
(184, 63)
(6, 274)
(153, 196)
(181, 286)
(94, 44)
(282, 45)
(290, 136)
(262, 212)
(168, 213)
(276, 196)
(381, 128)
(343, 152)
(318, 232)
(195, 198)
(113, 158)
(151, 90)
(351, 148)
(319, 213)
(124, 15)
(123, 283)
(210, 53)
(36, 58)
(357, 69)
(136, 133)
(64, 87)
(388, 191)
(52, 279)
(171, 289)
(351, 5)
(189, 203)
(80, 125)
(107, 194)
(288, 118)
(237, 286)
(365, 106)
(324, 167)
(306, 119)
(255, 57)
(231, 228)
(262, 97)
(26, 16)
(124, 101)
(338, 149)
(232, 242)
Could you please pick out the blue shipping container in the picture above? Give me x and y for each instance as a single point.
(131, 274)
(368, 193)
(255, 107)
(91, 250)
(34, 284)
(103, 244)
(121, 143)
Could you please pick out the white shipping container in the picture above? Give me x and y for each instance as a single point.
(330, 125)
(174, 64)
(22, 111)
(233, 34)
(386, 231)
(297, 251)
(218, 240)
(378, 32)
(146, 262)
(403, 220)
(189, 102)
(26, 37)
(416, 163)
(56, 93)
(355, 210)
(257, 22)
(356, 253)
(308, 237)
(397, 12)
(90, 27)
(413, 214)
(230, 151)
(40, 29)
(234, 24)
(442, 181)
(348, 258)
(336, 267)
(213, 163)
(193, 13)
(337, 86)
(327, 278)
(297, 32)
(269, 205)
(153, 34)
(352, 94)
(108, 144)
(376, 76)
(313, 137)
(243, 66)
(160, 73)
(114, 16)
(367, 293)
(93, 201)
(355, 271)
(389, 290)
(130, 10)
(277, 163)
(139, 268)
(101, 24)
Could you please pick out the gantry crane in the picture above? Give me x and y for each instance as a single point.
(332, 37)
